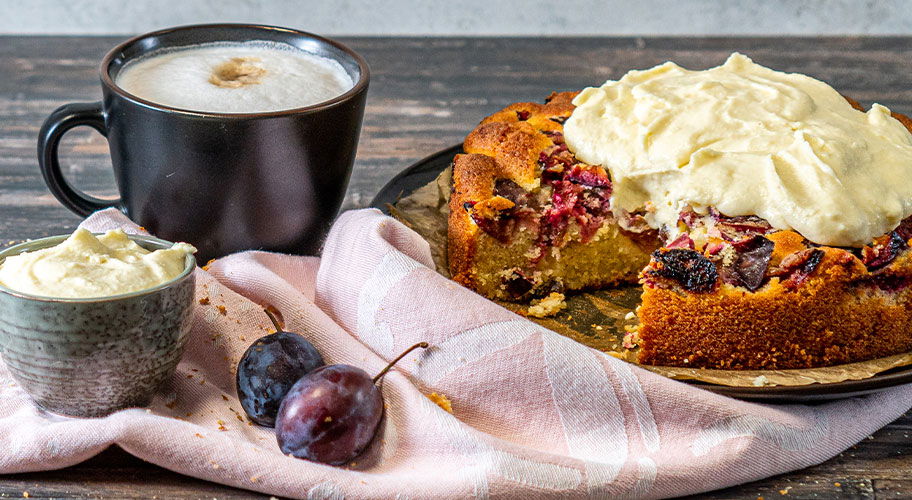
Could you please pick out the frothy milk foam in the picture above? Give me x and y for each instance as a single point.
(227, 77)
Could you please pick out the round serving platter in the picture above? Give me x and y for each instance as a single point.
(427, 169)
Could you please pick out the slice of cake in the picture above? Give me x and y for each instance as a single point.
(780, 209)
(528, 219)
(750, 297)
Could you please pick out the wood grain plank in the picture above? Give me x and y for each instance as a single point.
(116, 474)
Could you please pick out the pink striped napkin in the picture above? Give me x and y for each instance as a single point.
(535, 415)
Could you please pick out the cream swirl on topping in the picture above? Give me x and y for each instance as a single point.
(86, 266)
(747, 140)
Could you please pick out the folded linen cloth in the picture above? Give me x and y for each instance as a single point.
(535, 414)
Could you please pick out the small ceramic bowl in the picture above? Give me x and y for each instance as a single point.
(91, 357)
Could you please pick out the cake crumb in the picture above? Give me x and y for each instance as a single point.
(548, 306)
(761, 381)
(204, 301)
(837, 484)
(208, 264)
(25, 494)
(199, 435)
(221, 425)
(441, 401)
(631, 338)
(629, 316)
(222, 310)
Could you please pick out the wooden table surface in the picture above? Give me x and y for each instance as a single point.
(425, 95)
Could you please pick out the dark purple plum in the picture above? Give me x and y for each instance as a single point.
(330, 415)
(737, 228)
(269, 368)
(884, 250)
(749, 268)
(511, 191)
(687, 267)
(797, 267)
(518, 284)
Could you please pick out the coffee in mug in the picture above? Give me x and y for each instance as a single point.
(247, 77)
(227, 136)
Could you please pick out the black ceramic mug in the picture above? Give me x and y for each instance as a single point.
(223, 182)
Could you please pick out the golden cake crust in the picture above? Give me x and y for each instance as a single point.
(514, 143)
(471, 174)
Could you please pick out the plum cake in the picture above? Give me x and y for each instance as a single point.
(766, 216)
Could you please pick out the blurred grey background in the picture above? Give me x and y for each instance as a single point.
(471, 17)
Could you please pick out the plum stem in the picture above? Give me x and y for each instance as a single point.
(274, 319)
(423, 345)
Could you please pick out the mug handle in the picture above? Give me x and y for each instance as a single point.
(58, 123)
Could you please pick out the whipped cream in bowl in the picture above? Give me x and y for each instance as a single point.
(86, 266)
(746, 140)
(95, 323)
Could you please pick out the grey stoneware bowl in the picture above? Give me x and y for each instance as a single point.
(91, 357)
